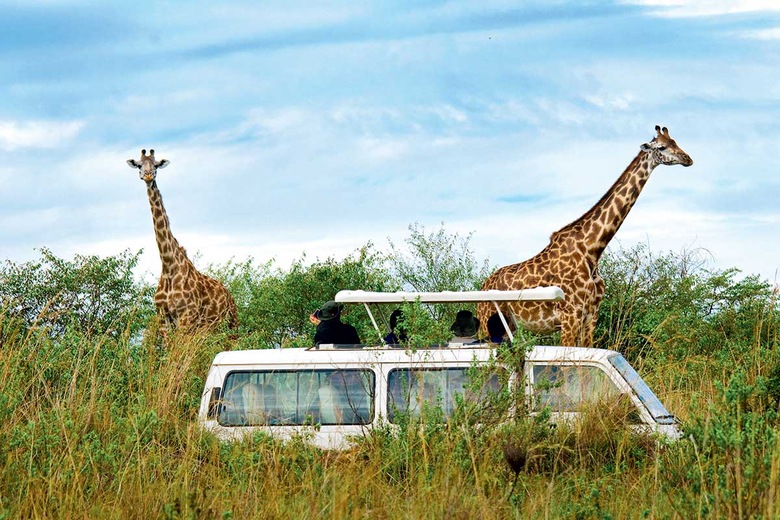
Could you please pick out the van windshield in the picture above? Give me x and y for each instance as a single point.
(656, 408)
(297, 397)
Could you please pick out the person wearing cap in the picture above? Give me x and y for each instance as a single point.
(465, 328)
(331, 329)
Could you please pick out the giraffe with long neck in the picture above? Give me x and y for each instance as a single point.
(186, 299)
(571, 258)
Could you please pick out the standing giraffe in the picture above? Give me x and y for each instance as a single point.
(570, 259)
(185, 298)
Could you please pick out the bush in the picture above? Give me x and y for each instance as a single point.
(728, 466)
(93, 295)
(673, 305)
(274, 304)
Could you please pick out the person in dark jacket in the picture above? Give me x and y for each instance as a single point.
(331, 329)
(496, 329)
(397, 334)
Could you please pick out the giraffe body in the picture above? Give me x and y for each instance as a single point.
(570, 260)
(186, 298)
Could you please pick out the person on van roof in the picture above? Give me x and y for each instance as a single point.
(395, 337)
(465, 327)
(331, 329)
(496, 329)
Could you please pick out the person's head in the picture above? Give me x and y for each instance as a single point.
(398, 329)
(394, 317)
(466, 325)
(330, 310)
(495, 327)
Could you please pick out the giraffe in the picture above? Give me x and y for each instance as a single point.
(186, 298)
(571, 258)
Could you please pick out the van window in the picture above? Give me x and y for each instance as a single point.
(566, 388)
(413, 390)
(297, 397)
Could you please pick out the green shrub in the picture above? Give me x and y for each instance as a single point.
(728, 465)
(96, 296)
(672, 306)
(274, 304)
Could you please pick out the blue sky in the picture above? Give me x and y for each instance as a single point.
(316, 127)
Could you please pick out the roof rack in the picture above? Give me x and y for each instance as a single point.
(552, 293)
(494, 296)
(363, 346)
(342, 346)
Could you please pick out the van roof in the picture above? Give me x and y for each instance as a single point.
(551, 293)
(339, 356)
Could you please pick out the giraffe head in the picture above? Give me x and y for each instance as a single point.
(664, 150)
(147, 167)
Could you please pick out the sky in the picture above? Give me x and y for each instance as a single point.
(316, 127)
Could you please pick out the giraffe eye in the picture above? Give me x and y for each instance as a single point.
(662, 148)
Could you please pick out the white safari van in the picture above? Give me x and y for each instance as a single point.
(336, 392)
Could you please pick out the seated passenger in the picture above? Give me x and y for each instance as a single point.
(394, 338)
(496, 329)
(465, 328)
(331, 329)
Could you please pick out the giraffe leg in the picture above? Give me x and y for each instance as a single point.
(165, 322)
(187, 320)
(571, 325)
(590, 319)
(587, 330)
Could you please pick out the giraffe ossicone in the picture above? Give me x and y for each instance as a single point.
(186, 298)
(570, 260)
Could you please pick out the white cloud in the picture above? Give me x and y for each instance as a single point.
(692, 8)
(619, 102)
(382, 149)
(37, 134)
(764, 34)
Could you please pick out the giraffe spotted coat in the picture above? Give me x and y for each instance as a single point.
(186, 298)
(570, 260)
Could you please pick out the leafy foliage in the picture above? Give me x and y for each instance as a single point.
(274, 304)
(90, 294)
(735, 449)
(436, 261)
(673, 303)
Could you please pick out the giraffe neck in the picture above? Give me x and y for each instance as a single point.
(170, 251)
(599, 224)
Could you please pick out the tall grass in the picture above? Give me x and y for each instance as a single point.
(105, 428)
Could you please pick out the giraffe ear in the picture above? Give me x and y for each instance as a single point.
(645, 147)
(133, 163)
(162, 164)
